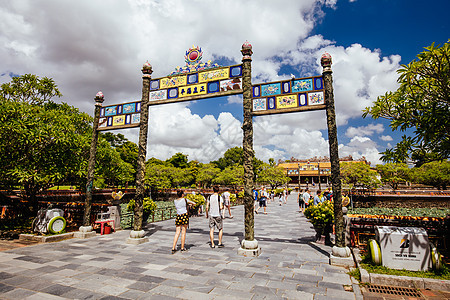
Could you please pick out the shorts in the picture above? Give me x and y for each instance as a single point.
(182, 220)
(262, 202)
(226, 202)
(215, 221)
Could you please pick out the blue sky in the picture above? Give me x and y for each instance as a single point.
(85, 47)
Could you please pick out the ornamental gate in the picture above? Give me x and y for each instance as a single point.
(197, 80)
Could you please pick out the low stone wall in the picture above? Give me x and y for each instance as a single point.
(406, 201)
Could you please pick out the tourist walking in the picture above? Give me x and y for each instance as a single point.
(301, 203)
(317, 197)
(285, 195)
(226, 202)
(182, 220)
(263, 200)
(214, 205)
(306, 197)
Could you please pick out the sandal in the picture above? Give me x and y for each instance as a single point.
(174, 250)
(212, 245)
(183, 249)
(220, 246)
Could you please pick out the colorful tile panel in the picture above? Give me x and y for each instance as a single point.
(259, 104)
(316, 98)
(158, 95)
(192, 90)
(287, 101)
(270, 89)
(174, 81)
(230, 84)
(213, 75)
(302, 85)
(288, 94)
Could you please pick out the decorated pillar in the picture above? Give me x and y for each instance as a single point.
(137, 234)
(99, 98)
(339, 248)
(249, 245)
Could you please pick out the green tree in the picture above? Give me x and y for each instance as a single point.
(116, 140)
(436, 173)
(41, 143)
(421, 103)
(111, 169)
(157, 174)
(393, 173)
(179, 160)
(358, 174)
(272, 175)
(206, 174)
(231, 157)
(231, 176)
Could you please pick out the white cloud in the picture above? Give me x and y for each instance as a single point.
(386, 138)
(364, 130)
(85, 48)
(360, 147)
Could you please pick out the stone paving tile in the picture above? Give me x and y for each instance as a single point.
(290, 266)
(82, 294)
(43, 296)
(57, 289)
(132, 294)
(17, 294)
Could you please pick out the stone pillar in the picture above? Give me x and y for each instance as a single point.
(249, 246)
(137, 234)
(339, 250)
(87, 227)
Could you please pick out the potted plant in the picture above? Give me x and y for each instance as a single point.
(322, 217)
(149, 207)
(198, 199)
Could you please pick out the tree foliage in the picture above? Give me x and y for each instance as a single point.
(436, 173)
(422, 103)
(233, 156)
(272, 175)
(206, 174)
(393, 173)
(231, 176)
(358, 175)
(41, 143)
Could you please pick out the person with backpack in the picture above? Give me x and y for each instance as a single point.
(262, 200)
(214, 206)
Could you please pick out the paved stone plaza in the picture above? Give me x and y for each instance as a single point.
(291, 266)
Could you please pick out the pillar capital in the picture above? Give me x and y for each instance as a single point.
(326, 62)
(246, 51)
(147, 69)
(99, 98)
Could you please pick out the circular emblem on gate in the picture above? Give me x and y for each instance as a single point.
(193, 55)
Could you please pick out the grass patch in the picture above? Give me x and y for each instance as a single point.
(355, 274)
(367, 264)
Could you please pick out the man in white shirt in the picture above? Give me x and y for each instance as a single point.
(306, 197)
(226, 203)
(214, 205)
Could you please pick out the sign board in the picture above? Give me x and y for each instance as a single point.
(297, 94)
(404, 247)
(119, 116)
(220, 81)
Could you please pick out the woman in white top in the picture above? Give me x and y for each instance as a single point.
(182, 220)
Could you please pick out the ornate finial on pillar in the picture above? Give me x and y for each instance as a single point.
(147, 69)
(247, 51)
(326, 62)
(99, 98)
